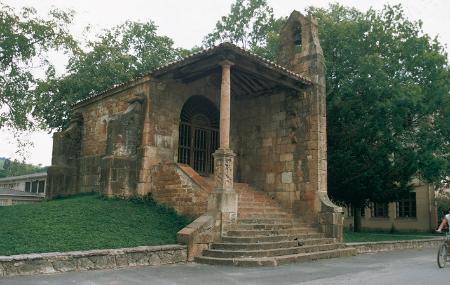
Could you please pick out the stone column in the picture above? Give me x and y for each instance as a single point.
(225, 99)
(224, 198)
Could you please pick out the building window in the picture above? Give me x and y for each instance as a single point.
(406, 208)
(41, 188)
(34, 187)
(27, 186)
(380, 210)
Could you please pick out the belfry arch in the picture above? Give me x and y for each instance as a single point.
(198, 134)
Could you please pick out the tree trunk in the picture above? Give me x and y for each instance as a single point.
(356, 219)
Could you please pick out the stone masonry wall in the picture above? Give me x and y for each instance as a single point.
(265, 146)
(59, 262)
(161, 126)
(97, 116)
(181, 189)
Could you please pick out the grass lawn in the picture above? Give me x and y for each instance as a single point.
(380, 236)
(85, 222)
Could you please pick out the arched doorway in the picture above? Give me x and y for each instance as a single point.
(198, 134)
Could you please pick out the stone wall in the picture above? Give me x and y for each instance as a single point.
(161, 124)
(371, 247)
(58, 262)
(63, 175)
(111, 136)
(265, 146)
(181, 188)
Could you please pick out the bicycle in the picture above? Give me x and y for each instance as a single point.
(443, 255)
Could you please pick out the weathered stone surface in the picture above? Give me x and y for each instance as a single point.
(30, 264)
(64, 265)
(370, 247)
(286, 177)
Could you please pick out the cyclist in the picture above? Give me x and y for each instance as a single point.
(445, 222)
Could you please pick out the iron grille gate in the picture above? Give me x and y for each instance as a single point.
(197, 144)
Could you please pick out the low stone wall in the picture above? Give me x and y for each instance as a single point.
(368, 247)
(55, 262)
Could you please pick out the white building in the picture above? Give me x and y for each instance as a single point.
(32, 183)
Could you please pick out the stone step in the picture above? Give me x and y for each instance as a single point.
(265, 216)
(252, 199)
(277, 260)
(253, 204)
(271, 245)
(258, 233)
(270, 252)
(269, 221)
(274, 238)
(254, 246)
(266, 209)
(263, 226)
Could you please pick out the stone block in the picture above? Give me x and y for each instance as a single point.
(286, 177)
(286, 157)
(270, 178)
(154, 259)
(267, 142)
(65, 265)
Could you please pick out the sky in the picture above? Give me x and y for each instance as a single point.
(187, 22)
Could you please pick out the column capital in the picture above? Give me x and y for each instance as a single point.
(226, 62)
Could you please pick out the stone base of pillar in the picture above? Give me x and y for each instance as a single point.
(223, 170)
(225, 202)
(224, 198)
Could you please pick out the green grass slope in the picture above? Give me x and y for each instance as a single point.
(85, 222)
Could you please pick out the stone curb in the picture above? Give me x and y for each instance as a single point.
(369, 247)
(57, 262)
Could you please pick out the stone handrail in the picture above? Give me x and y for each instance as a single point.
(331, 218)
(199, 234)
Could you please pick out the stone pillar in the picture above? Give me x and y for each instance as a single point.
(225, 94)
(224, 198)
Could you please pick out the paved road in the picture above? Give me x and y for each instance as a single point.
(401, 267)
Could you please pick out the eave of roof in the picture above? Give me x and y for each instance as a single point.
(171, 66)
(24, 177)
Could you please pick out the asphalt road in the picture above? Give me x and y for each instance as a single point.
(400, 267)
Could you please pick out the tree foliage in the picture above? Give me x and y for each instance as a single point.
(250, 24)
(17, 168)
(118, 55)
(25, 40)
(388, 103)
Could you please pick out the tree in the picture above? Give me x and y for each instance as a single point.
(16, 168)
(118, 55)
(388, 99)
(25, 40)
(251, 25)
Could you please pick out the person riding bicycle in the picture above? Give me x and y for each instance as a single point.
(445, 222)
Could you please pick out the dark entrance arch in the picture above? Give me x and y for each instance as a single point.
(198, 134)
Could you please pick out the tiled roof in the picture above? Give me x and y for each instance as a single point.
(169, 66)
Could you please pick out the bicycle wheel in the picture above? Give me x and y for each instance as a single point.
(442, 255)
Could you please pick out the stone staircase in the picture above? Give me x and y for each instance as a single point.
(267, 235)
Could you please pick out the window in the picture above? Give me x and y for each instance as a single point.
(27, 186)
(34, 186)
(41, 188)
(380, 210)
(406, 208)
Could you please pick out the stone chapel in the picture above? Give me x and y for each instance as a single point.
(230, 139)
